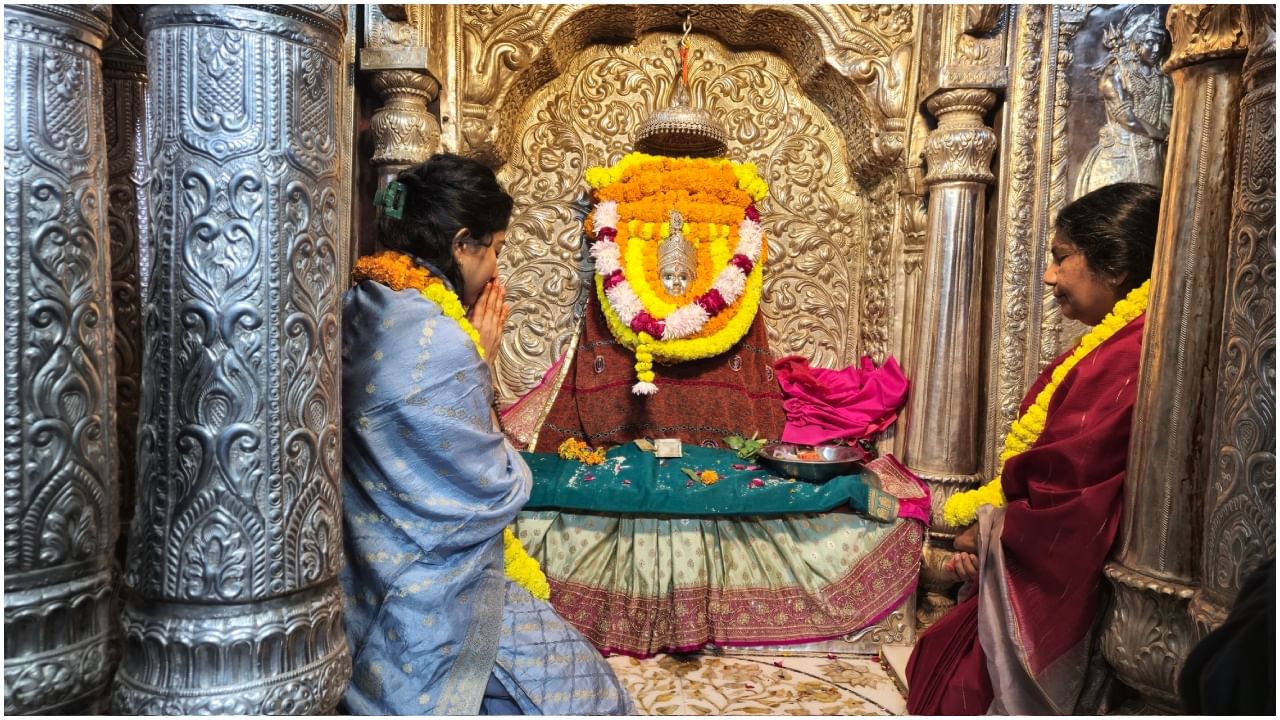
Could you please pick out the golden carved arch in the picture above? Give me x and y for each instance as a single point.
(853, 60)
(853, 65)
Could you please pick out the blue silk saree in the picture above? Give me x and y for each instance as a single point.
(428, 487)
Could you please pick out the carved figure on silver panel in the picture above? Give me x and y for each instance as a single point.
(1138, 97)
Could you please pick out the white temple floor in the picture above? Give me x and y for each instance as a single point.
(782, 683)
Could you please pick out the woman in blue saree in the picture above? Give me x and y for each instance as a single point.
(430, 483)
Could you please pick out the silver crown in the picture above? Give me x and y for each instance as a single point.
(676, 250)
(682, 129)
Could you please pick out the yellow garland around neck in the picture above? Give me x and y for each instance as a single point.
(962, 508)
(398, 272)
(521, 568)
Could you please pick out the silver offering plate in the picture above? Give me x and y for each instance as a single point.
(813, 463)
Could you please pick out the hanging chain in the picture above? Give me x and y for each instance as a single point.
(684, 47)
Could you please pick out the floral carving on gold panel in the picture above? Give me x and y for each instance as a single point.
(506, 52)
(814, 215)
(1204, 32)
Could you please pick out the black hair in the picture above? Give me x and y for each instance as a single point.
(445, 194)
(1115, 229)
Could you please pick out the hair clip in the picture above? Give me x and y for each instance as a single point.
(391, 199)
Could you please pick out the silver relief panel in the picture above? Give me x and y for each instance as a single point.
(1240, 513)
(124, 74)
(1125, 94)
(59, 467)
(236, 537)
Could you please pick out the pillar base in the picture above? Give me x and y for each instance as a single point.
(287, 656)
(58, 646)
(1147, 635)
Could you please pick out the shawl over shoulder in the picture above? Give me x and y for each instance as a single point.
(1028, 629)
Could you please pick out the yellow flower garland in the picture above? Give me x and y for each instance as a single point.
(522, 568)
(748, 179)
(397, 271)
(962, 508)
(674, 351)
(715, 198)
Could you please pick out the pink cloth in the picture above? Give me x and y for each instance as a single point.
(824, 405)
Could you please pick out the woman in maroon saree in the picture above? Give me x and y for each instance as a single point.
(1021, 639)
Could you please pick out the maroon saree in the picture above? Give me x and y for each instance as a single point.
(1020, 645)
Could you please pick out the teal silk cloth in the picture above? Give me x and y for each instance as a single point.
(634, 481)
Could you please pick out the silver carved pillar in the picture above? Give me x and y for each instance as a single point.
(943, 419)
(124, 71)
(236, 537)
(1240, 505)
(405, 132)
(59, 434)
(1148, 631)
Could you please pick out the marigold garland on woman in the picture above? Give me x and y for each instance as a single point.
(1039, 535)
(430, 482)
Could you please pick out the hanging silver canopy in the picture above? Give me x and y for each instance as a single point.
(681, 129)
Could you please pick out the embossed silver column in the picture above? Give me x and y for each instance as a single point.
(963, 55)
(405, 132)
(1148, 631)
(236, 537)
(124, 73)
(59, 433)
(1240, 505)
(942, 432)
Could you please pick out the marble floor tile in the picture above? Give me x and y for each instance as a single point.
(776, 684)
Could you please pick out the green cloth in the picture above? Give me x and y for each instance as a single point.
(633, 481)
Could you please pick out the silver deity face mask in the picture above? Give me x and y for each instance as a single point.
(677, 259)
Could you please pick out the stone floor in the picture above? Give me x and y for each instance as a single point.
(785, 683)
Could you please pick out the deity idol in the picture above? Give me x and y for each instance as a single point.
(679, 254)
(673, 346)
(677, 259)
(1138, 98)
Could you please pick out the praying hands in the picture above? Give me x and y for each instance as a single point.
(488, 316)
(963, 565)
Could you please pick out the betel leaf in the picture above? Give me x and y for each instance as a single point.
(693, 474)
(747, 447)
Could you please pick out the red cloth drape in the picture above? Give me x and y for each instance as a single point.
(699, 402)
(1064, 497)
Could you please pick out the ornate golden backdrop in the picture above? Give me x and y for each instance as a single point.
(815, 216)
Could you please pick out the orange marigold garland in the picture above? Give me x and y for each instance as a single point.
(716, 198)
(398, 272)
